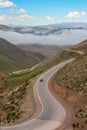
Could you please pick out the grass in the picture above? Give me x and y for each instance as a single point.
(13, 58)
(81, 119)
(11, 104)
(82, 112)
(81, 47)
(17, 79)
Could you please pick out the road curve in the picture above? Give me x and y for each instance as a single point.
(53, 114)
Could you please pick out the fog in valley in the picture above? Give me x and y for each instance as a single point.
(69, 37)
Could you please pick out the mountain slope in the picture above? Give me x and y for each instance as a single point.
(74, 75)
(45, 29)
(13, 58)
(71, 81)
(81, 47)
(44, 50)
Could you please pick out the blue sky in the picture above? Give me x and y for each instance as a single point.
(41, 12)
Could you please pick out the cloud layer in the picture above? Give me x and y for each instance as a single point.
(18, 11)
(50, 18)
(76, 14)
(11, 13)
(6, 3)
(16, 19)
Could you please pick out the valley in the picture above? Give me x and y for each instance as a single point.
(43, 65)
(17, 89)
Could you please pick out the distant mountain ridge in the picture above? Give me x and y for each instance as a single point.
(45, 29)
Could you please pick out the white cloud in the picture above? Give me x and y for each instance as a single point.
(16, 19)
(25, 16)
(50, 18)
(76, 14)
(6, 3)
(18, 11)
(2, 18)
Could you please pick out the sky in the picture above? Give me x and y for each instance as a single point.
(42, 12)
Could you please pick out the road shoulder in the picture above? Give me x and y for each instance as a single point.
(68, 109)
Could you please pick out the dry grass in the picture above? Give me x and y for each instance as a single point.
(74, 75)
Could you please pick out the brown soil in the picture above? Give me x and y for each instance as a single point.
(72, 102)
(31, 106)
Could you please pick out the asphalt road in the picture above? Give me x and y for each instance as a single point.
(53, 114)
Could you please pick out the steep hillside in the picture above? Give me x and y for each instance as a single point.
(74, 75)
(81, 47)
(17, 79)
(72, 84)
(13, 58)
(23, 79)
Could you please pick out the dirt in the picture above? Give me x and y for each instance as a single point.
(71, 101)
(31, 106)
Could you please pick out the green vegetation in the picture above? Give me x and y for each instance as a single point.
(82, 112)
(74, 75)
(13, 58)
(81, 116)
(10, 105)
(18, 79)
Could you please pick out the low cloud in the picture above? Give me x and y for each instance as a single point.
(6, 3)
(76, 14)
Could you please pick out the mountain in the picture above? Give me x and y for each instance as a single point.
(71, 84)
(55, 29)
(74, 75)
(44, 50)
(13, 58)
(71, 25)
(81, 46)
(58, 34)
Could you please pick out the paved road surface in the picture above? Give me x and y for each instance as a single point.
(53, 114)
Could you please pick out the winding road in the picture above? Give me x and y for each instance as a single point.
(52, 114)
